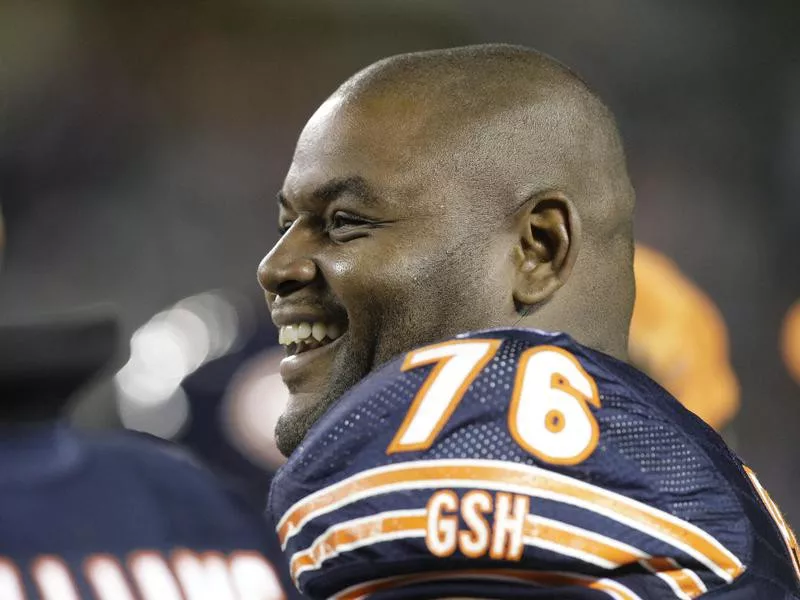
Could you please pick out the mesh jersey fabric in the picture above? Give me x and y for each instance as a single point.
(657, 508)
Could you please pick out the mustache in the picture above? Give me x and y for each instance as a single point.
(326, 306)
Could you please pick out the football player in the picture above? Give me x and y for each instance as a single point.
(454, 286)
(108, 516)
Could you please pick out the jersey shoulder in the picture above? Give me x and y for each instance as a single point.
(605, 468)
(154, 462)
(168, 482)
(146, 511)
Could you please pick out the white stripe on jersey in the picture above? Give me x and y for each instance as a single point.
(674, 585)
(563, 539)
(322, 549)
(576, 552)
(532, 481)
(614, 589)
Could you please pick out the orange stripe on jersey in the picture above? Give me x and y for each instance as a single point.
(523, 479)
(359, 532)
(615, 590)
(685, 583)
(538, 531)
(579, 543)
(609, 553)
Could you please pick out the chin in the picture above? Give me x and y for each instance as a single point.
(310, 400)
(293, 425)
(303, 410)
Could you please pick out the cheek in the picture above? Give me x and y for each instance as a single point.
(370, 274)
(405, 276)
(433, 289)
(412, 289)
(460, 290)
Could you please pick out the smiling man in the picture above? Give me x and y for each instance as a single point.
(485, 188)
(422, 203)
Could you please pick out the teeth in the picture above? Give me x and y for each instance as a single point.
(318, 331)
(301, 332)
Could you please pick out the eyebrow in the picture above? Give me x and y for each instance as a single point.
(331, 190)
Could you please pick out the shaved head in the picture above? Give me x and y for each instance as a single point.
(513, 123)
(500, 197)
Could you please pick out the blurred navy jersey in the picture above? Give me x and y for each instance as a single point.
(123, 517)
(519, 464)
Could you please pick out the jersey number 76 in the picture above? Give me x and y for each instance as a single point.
(549, 413)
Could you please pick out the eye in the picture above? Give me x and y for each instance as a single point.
(345, 226)
(342, 220)
(284, 227)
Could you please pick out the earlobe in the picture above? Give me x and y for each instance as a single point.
(546, 249)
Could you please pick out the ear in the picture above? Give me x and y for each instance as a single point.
(547, 247)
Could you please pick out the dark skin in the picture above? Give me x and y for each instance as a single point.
(406, 223)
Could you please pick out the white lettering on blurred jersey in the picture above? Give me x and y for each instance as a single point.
(254, 577)
(185, 575)
(10, 582)
(54, 579)
(107, 577)
(154, 577)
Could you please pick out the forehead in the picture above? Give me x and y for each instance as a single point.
(368, 143)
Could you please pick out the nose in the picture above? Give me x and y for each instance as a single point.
(285, 269)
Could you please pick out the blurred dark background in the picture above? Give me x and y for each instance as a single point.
(142, 143)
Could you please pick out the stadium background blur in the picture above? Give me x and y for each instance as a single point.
(141, 145)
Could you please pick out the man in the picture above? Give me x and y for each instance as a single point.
(485, 188)
(111, 516)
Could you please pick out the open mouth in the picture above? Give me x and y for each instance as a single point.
(302, 337)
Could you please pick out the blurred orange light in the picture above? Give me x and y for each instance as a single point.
(679, 338)
(790, 340)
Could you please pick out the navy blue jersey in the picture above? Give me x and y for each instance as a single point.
(519, 464)
(123, 517)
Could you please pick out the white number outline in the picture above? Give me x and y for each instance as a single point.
(458, 370)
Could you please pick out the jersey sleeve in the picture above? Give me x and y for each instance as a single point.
(508, 465)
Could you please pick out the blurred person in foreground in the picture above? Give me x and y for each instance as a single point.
(454, 285)
(113, 516)
(235, 401)
(679, 338)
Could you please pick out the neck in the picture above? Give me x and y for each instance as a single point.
(597, 338)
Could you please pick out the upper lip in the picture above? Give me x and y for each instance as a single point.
(291, 316)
